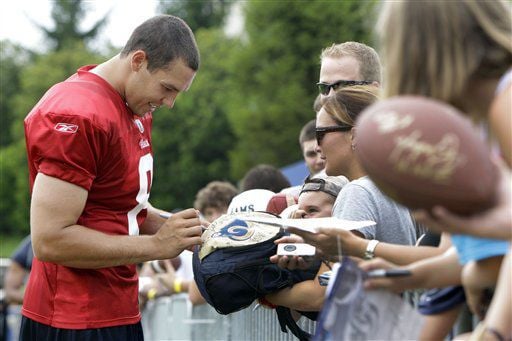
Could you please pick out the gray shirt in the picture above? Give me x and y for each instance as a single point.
(362, 200)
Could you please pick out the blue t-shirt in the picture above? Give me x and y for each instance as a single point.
(23, 254)
(474, 249)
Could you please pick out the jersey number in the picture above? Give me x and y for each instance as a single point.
(145, 179)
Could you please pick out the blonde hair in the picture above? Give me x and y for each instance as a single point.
(369, 62)
(345, 105)
(435, 48)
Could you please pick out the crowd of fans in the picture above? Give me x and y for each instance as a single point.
(467, 271)
(458, 52)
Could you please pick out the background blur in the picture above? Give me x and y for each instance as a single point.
(253, 93)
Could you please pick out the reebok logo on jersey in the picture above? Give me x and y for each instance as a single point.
(143, 143)
(66, 127)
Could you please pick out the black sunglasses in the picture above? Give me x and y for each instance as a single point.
(321, 132)
(319, 185)
(325, 88)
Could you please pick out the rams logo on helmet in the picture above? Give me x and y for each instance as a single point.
(236, 230)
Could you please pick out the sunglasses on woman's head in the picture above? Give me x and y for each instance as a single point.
(319, 185)
(325, 88)
(322, 131)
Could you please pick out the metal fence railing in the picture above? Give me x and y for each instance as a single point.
(174, 318)
(262, 324)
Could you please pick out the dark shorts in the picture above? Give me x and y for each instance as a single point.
(32, 330)
(436, 301)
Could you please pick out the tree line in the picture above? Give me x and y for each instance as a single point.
(253, 92)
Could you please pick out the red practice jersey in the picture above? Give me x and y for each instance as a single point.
(82, 132)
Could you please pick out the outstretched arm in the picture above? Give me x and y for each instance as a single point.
(430, 273)
(329, 240)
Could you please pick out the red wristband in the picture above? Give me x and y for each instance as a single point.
(264, 302)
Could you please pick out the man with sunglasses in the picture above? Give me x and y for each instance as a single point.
(347, 64)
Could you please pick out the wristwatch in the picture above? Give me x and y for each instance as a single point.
(370, 249)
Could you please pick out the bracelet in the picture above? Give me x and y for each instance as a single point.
(264, 302)
(151, 293)
(370, 249)
(176, 285)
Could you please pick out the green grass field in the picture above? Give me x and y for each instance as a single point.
(8, 244)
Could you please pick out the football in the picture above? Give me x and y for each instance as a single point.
(423, 153)
(279, 202)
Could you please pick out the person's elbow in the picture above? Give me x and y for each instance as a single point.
(195, 298)
(44, 247)
(42, 251)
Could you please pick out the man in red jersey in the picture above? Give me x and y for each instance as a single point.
(91, 165)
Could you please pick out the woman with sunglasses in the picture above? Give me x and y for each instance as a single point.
(459, 52)
(395, 234)
(395, 231)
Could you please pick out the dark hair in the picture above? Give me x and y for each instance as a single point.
(164, 38)
(307, 132)
(217, 194)
(264, 177)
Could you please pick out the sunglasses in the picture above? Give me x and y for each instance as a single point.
(319, 185)
(321, 132)
(325, 88)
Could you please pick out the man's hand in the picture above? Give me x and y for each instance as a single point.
(181, 231)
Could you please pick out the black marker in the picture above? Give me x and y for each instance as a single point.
(388, 273)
